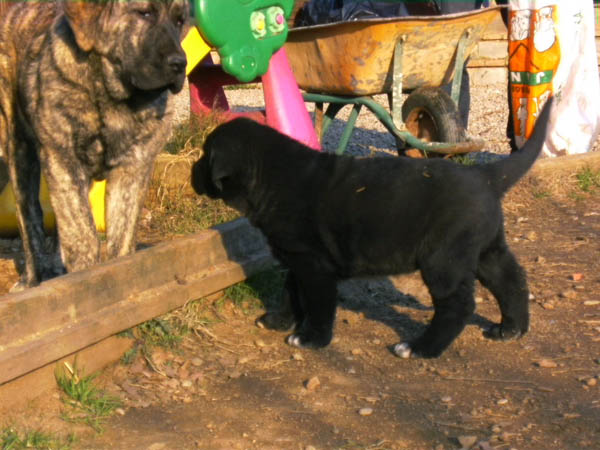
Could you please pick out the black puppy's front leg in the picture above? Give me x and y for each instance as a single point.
(289, 313)
(317, 302)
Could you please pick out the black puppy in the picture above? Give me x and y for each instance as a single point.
(329, 217)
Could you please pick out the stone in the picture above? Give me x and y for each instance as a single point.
(312, 383)
(467, 441)
(365, 411)
(546, 363)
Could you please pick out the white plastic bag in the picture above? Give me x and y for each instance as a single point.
(552, 51)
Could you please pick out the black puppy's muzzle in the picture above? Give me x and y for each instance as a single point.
(198, 177)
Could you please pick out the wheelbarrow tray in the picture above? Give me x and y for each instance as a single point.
(356, 57)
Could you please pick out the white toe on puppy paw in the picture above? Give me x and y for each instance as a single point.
(402, 350)
(294, 340)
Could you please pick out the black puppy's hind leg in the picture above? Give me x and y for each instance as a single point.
(317, 296)
(288, 313)
(452, 311)
(499, 272)
(449, 276)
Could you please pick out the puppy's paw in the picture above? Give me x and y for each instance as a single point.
(276, 321)
(294, 340)
(405, 350)
(302, 340)
(499, 332)
(402, 350)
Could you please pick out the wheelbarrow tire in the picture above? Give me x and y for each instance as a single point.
(431, 115)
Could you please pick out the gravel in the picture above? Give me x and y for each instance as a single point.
(488, 116)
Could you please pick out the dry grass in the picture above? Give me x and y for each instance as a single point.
(172, 208)
(189, 136)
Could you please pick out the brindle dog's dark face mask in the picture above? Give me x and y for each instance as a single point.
(140, 39)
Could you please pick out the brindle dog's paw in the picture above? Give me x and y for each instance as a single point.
(499, 332)
(18, 287)
(303, 340)
(276, 321)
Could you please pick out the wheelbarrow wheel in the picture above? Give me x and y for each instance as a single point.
(431, 115)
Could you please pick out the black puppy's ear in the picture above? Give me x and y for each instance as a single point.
(219, 171)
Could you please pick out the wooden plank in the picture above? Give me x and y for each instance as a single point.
(63, 315)
(565, 165)
(493, 52)
(34, 384)
(482, 76)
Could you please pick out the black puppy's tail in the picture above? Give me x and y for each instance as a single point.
(505, 173)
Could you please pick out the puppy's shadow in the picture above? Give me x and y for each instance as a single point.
(379, 299)
(402, 303)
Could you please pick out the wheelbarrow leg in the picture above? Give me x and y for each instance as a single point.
(397, 80)
(319, 121)
(395, 97)
(323, 121)
(348, 129)
(330, 114)
(459, 65)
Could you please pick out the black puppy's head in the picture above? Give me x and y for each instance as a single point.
(224, 169)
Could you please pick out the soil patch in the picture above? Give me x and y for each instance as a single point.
(231, 385)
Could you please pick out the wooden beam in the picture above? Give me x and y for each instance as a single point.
(89, 360)
(43, 324)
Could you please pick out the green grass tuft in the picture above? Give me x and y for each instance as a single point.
(261, 290)
(588, 179)
(160, 332)
(464, 160)
(11, 439)
(84, 402)
(541, 194)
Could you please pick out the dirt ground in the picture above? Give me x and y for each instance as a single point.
(231, 385)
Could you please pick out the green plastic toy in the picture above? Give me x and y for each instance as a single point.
(246, 33)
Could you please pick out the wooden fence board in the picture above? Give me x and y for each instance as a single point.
(63, 315)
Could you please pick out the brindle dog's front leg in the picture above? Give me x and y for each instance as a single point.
(125, 192)
(24, 170)
(69, 194)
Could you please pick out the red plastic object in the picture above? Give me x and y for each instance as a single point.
(285, 109)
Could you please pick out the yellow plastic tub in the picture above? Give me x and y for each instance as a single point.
(8, 217)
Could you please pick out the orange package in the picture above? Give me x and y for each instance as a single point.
(534, 57)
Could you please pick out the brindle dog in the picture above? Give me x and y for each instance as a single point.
(85, 94)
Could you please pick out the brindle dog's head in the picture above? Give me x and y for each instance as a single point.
(139, 41)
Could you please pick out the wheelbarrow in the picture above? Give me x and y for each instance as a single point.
(347, 63)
